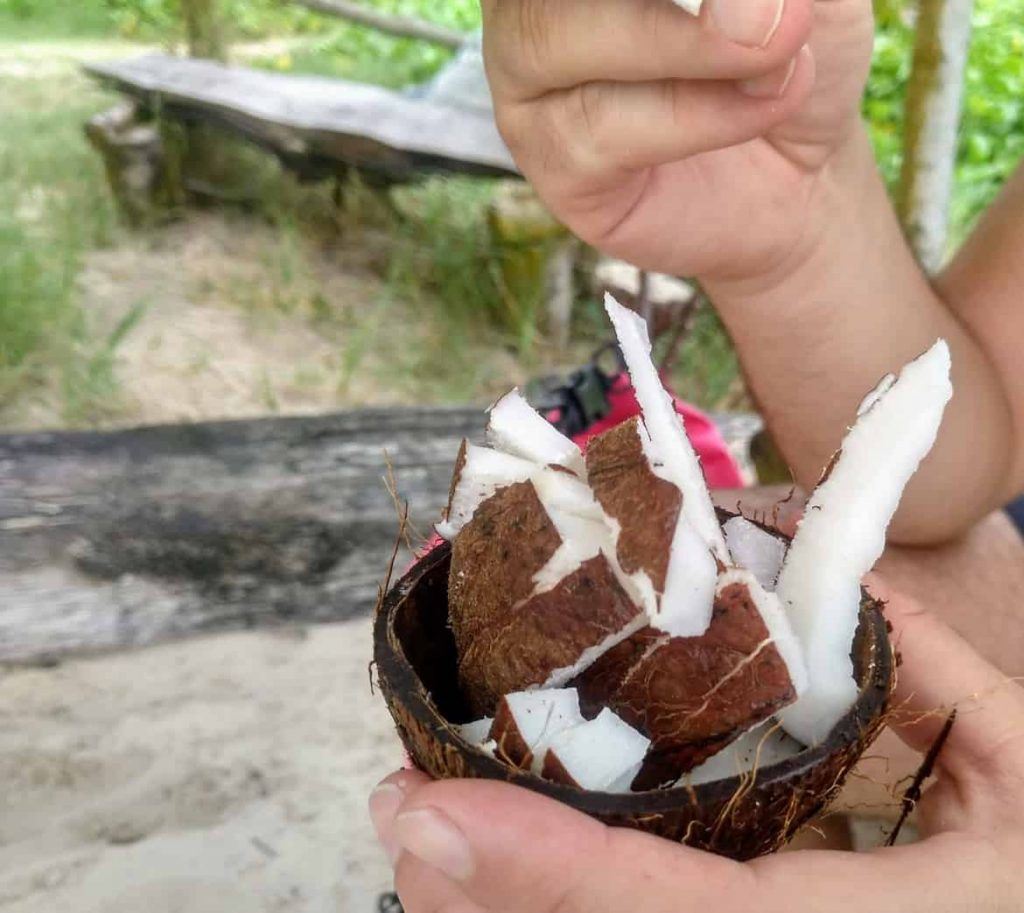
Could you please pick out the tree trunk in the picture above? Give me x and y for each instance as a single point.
(934, 97)
(203, 29)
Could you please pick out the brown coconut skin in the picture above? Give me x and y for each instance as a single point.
(680, 692)
(692, 695)
(646, 507)
(415, 659)
(508, 638)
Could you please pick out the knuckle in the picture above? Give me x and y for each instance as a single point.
(586, 126)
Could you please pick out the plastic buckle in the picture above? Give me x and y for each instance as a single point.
(575, 403)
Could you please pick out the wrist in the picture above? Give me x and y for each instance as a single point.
(835, 214)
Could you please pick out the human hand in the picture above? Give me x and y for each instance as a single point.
(485, 847)
(677, 143)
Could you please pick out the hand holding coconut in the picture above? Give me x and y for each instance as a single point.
(593, 634)
(481, 847)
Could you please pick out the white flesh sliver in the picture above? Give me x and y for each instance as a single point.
(842, 535)
(599, 753)
(516, 428)
(762, 747)
(691, 6)
(541, 715)
(780, 630)
(565, 494)
(483, 473)
(755, 550)
(665, 427)
(581, 541)
(581, 524)
(592, 654)
(686, 606)
(476, 733)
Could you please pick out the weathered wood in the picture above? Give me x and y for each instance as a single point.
(127, 538)
(317, 126)
(399, 26)
(111, 540)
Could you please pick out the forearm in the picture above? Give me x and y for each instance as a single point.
(849, 307)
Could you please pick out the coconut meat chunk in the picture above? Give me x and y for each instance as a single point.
(691, 6)
(672, 454)
(477, 732)
(526, 722)
(755, 550)
(757, 749)
(598, 755)
(686, 606)
(780, 631)
(516, 428)
(480, 472)
(842, 534)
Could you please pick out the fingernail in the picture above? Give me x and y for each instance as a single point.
(430, 835)
(771, 85)
(384, 803)
(752, 23)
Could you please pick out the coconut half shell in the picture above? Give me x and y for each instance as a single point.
(739, 817)
(693, 695)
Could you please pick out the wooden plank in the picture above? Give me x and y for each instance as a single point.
(114, 540)
(317, 121)
(122, 539)
(399, 26)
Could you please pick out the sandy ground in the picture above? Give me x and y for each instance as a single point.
(220, 775)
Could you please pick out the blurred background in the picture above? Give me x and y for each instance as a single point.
(260, 209)
(401, 295)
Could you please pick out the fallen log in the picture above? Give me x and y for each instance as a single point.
(122, 539)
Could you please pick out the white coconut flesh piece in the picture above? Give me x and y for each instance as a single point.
(527, 721)
(672, 457)
(686, 606)
(477, 732)
(762, 747)
(842, 534)
(516, 428)
(755, 550)
(691, 6)
(482, 474)
(600, 755)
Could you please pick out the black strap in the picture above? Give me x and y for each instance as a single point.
(576, 402)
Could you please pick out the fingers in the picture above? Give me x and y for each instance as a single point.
(598, 132)
(424, 889)
(537, 46)
(507, 850)
(951, 874)
(941, 672)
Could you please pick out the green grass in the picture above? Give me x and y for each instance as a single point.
(53, 208)
(53, 20)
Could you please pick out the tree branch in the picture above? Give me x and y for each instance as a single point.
(400, 26)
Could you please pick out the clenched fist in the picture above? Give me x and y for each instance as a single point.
(691, 145)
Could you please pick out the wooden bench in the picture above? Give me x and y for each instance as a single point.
(316, 126)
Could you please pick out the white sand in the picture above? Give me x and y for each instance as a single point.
(220, 775)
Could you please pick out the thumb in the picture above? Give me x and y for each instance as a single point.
(940, 672)
(508, 849)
